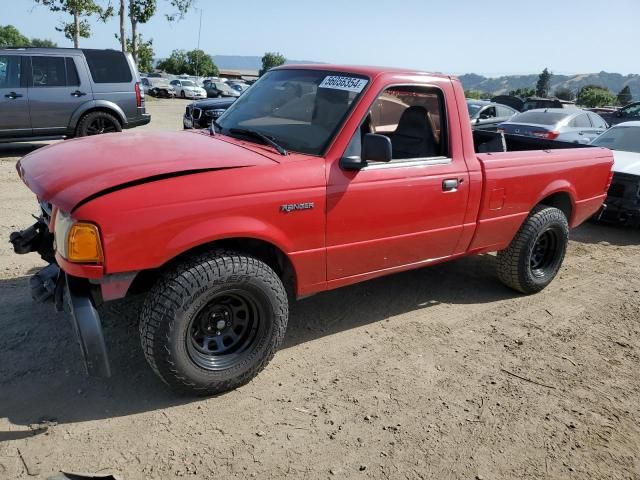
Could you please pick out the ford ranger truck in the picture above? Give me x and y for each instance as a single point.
(316, 178)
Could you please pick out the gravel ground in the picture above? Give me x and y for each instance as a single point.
(437, 373)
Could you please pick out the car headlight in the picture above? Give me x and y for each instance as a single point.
(77, 242)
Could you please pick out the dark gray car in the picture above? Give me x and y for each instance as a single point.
(50, 93)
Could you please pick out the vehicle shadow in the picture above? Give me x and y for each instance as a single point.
(42, 378)
(10, 150)
(606, 233)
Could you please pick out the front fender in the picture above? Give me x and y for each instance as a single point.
(96, 105)
(226, 228)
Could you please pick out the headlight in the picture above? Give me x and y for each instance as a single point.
(77, 241)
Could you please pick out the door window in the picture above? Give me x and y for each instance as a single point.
(581, 121)
(413, 119)
(632, 111)
(10, 71)
(48, 72)
(597, 121)
(504, 111)
(489, 112)
(72, 72)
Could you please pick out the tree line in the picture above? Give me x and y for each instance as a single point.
(133, 13)
(589, 96)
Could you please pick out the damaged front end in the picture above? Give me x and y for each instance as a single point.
(52, 284)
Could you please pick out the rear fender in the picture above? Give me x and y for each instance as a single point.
(96, 105)
(560, 186)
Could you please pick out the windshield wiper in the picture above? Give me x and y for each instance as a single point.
(261, 136)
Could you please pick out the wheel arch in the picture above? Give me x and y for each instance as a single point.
(561, 199)
(263, 250)
(96, 106)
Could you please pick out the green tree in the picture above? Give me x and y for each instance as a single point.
(544, 83)
(181, 9)
(271, 60)
(176, 63)
(140, 11)
(180, 62)
(80, 10)
(564, 94)
(473, 94)
(199, 63)
(43, 43)
(523, 92)
(145, 52)
(624, 96)
(591, 96)
(10, 36)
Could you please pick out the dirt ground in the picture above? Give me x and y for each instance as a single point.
(438, 373)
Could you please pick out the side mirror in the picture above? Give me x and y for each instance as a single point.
(478, 120)
(376, 148)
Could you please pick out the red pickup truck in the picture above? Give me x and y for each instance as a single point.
(317, 177)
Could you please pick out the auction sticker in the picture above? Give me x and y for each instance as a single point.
(350, 84)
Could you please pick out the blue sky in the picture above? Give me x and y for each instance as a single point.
(490, 37)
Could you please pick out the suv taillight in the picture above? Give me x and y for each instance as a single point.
(139, 95)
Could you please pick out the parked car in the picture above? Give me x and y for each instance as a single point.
(158, 87)
(216, 230)
(238, 86)
(532, 103)
(487, 115)
(188, 89)
(49, 93)
(628, 113)
(201, 113)
(564, 125)
(217, 89)
(623, 199)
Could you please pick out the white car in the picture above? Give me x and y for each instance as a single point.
(623, 198)
(188, 89)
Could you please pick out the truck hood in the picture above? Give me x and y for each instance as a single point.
(66, 173)
(626, 162)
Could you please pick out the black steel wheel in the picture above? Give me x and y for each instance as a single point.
(224, 329)
(213, 322)
(96, 123)
(535, 255)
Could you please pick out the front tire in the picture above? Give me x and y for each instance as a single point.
(535, 255)
(214, 322)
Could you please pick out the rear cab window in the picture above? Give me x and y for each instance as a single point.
(108, 66)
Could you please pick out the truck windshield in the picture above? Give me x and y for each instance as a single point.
(624, 138)
(299, 109)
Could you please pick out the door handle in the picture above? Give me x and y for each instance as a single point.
(450, 184)
(13, 95)
(77, 93)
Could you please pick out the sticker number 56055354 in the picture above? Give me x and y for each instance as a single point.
(350, 84)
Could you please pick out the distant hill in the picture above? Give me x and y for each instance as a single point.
(240, 62)
(613, 81)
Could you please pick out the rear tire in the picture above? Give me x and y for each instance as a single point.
(214, 322)
(96, 123)
(535, 254)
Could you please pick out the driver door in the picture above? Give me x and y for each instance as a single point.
(14, 98)
(407, 211)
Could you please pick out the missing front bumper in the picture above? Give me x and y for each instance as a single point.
(52, 283)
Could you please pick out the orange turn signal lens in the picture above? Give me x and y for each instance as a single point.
(83, 244)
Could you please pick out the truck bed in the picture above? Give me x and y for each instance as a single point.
(521, 171)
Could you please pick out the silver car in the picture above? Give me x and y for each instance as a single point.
(564, 125)
(49, 93)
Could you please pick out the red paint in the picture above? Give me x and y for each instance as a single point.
(364, 224)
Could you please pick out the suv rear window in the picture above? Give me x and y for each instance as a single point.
(539, 118)
(108, 66)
